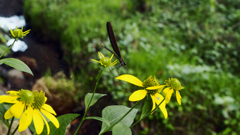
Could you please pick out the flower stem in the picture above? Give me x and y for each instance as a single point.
(147, 115)
(15, 130)
(98, 78)
(8, 48)
(9, 128)
(120, 118)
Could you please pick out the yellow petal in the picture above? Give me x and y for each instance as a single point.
(178, 96)
(162, 105)
(52, 118)
(131, 79)
(49, 109)
(165, 91)
(111, 57)
(153, 101)
(26, 32)
(12, 33)
(8, 114)
(95, 61)
(13, 93)
(26, 119)
(8, 99)
(100, 55)
(38, 122)
(155, 87)
(113, 63)
(48, 129)
(138, 95)
(17, 109)
(168, 95)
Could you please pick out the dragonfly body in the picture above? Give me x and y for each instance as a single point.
(114, 44)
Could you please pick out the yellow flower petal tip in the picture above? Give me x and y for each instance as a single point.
(131, 79)
(138, 95)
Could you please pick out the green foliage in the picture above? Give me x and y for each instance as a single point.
(113, 113)
(194, 41)
(17, 64)
(99, 119)
(2, 112)
(94, 99)
(121, 129)
(146, 109)
(75, 23)
(64, 121)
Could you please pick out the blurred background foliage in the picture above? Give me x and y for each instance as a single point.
(195, 41)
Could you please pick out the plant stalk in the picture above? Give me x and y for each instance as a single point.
(147, 115)
(9, 128)
(98, 78)
(8, 48)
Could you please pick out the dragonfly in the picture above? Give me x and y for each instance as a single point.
(113, 41)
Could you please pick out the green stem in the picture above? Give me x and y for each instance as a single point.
(8, 48)
(148, 114)
(15, 130)
(98, 78)
(120, 118)
(9, 128)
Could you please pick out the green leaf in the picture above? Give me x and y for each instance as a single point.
(17, 64)
(32, 128)
(113, 113)
(147, 107)
(2, 112)
(94, 100)
(64, 120)
(99, 118)
(121, 129)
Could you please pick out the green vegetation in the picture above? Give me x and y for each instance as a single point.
(195, 41)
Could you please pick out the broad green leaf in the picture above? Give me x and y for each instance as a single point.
(113, 113)
(94, 100)
(99, 118)
(147, 107)
(17, 64)
(64, 120)
(121, 129)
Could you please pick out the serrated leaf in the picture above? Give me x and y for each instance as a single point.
(64, 120)
(113, 113)
(17, 64)
(121, 129)
(99, 118)
(94, 100)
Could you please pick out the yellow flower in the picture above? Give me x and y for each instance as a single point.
(105, 61)
(29, 106)
(150, 86)
(172, 84)
(19, 99)
(18, 33)
(36, 113)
